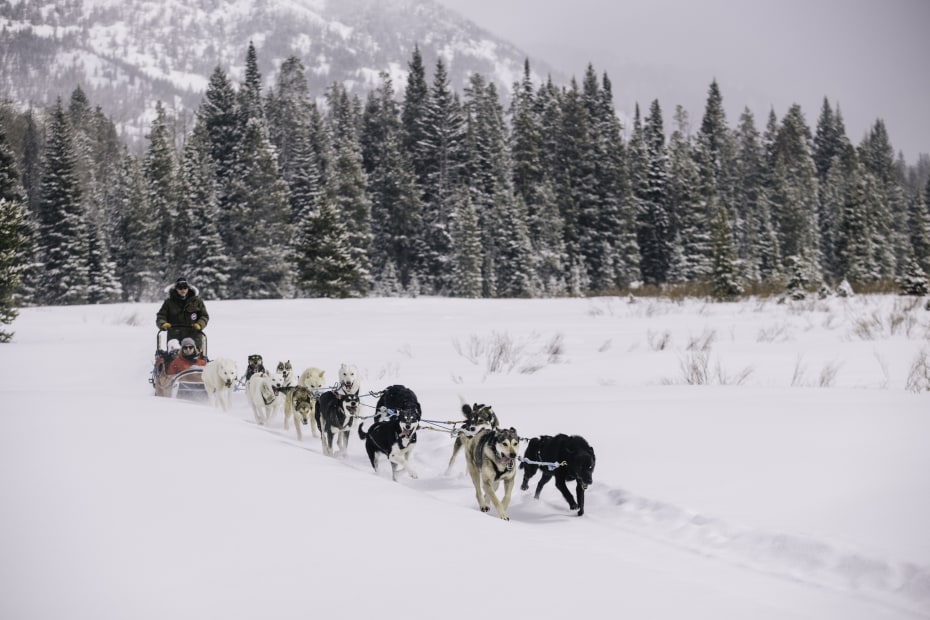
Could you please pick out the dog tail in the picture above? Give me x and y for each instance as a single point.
(361, 433)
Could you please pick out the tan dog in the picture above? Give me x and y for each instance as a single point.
(491, 456)
(477, 417)
(299, 405)
(313, 379)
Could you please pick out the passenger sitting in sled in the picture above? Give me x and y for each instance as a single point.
(190, 356)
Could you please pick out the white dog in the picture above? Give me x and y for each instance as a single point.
(219, 379)
(263, 396)
(313, 379)
(348, 379)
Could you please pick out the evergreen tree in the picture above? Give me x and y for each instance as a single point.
(526, 142)
(442, 149)
(651, 192)
(259, 210)
(514, 268)
(888, 216)
(396, 212)
(919, 225)
(63, 229)
(12, 216)
(325, 267)
(616, 219)
(914, 279)
(689, 222)
(13, 235)
(159, 170)
(467, 259)
(544, 214)
(134, 231)
(757, 241)
(715, 157)
(345, 191)
(827, 139)
(414, 118)
(725, 276)
(204, 259)
(795, 193)
(103, 286)
(218, 114)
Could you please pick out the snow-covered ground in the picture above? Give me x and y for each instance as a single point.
(755, 460)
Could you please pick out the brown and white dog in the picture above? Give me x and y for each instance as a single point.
(491, 456)
(313, 379)
(477, 417)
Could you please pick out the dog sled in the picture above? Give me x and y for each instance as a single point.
(187, 384)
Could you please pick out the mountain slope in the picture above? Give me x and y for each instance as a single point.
(128, 54)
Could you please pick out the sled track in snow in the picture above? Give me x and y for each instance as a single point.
(901, 585)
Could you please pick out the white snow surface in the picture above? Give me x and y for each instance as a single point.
(793, 483)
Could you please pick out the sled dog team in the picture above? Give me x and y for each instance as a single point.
(491, 452)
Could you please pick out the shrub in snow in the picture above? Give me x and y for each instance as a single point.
(844, 289)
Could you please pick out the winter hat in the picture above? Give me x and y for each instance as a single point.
(188, 342)
(181, 283)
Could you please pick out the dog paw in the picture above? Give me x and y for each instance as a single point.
(412, 474)
(581, 512)
(505, 518)
(484, 508)
(524, 487)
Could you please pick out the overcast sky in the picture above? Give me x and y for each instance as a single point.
(869, 56)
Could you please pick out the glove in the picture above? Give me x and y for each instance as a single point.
(197, 326)
(165, 325)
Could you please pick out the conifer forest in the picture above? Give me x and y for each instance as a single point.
(418, 189)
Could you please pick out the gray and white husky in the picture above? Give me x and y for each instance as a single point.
(491, 456)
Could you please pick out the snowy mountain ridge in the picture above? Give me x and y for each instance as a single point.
(126, 55)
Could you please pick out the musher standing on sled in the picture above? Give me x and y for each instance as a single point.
(183, 314)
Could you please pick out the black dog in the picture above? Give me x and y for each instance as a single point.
(335, 413)
(396, 399)
(395, 438)
(563, 457)
(256, 364)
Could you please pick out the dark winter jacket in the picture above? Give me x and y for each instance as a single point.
(184, 314)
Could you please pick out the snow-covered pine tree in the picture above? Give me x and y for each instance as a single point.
(690, 222)
(914, 279)
(617, 218)
(888, 212)
(204, 259)
(795, 194)
(133, 230)
(725, 284)
(414, 118)
(396, 213)
(12, 216)
(13, 235)
(103, 286)
(443, 152)
(325, 267)
(63, 229)
(159, 168)
(756, 244)
(467, 258)
(651, 189)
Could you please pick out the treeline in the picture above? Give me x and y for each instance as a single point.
(436, 192)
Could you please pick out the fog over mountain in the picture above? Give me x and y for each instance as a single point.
(129, 54)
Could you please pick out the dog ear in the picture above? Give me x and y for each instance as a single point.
(466, 409)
